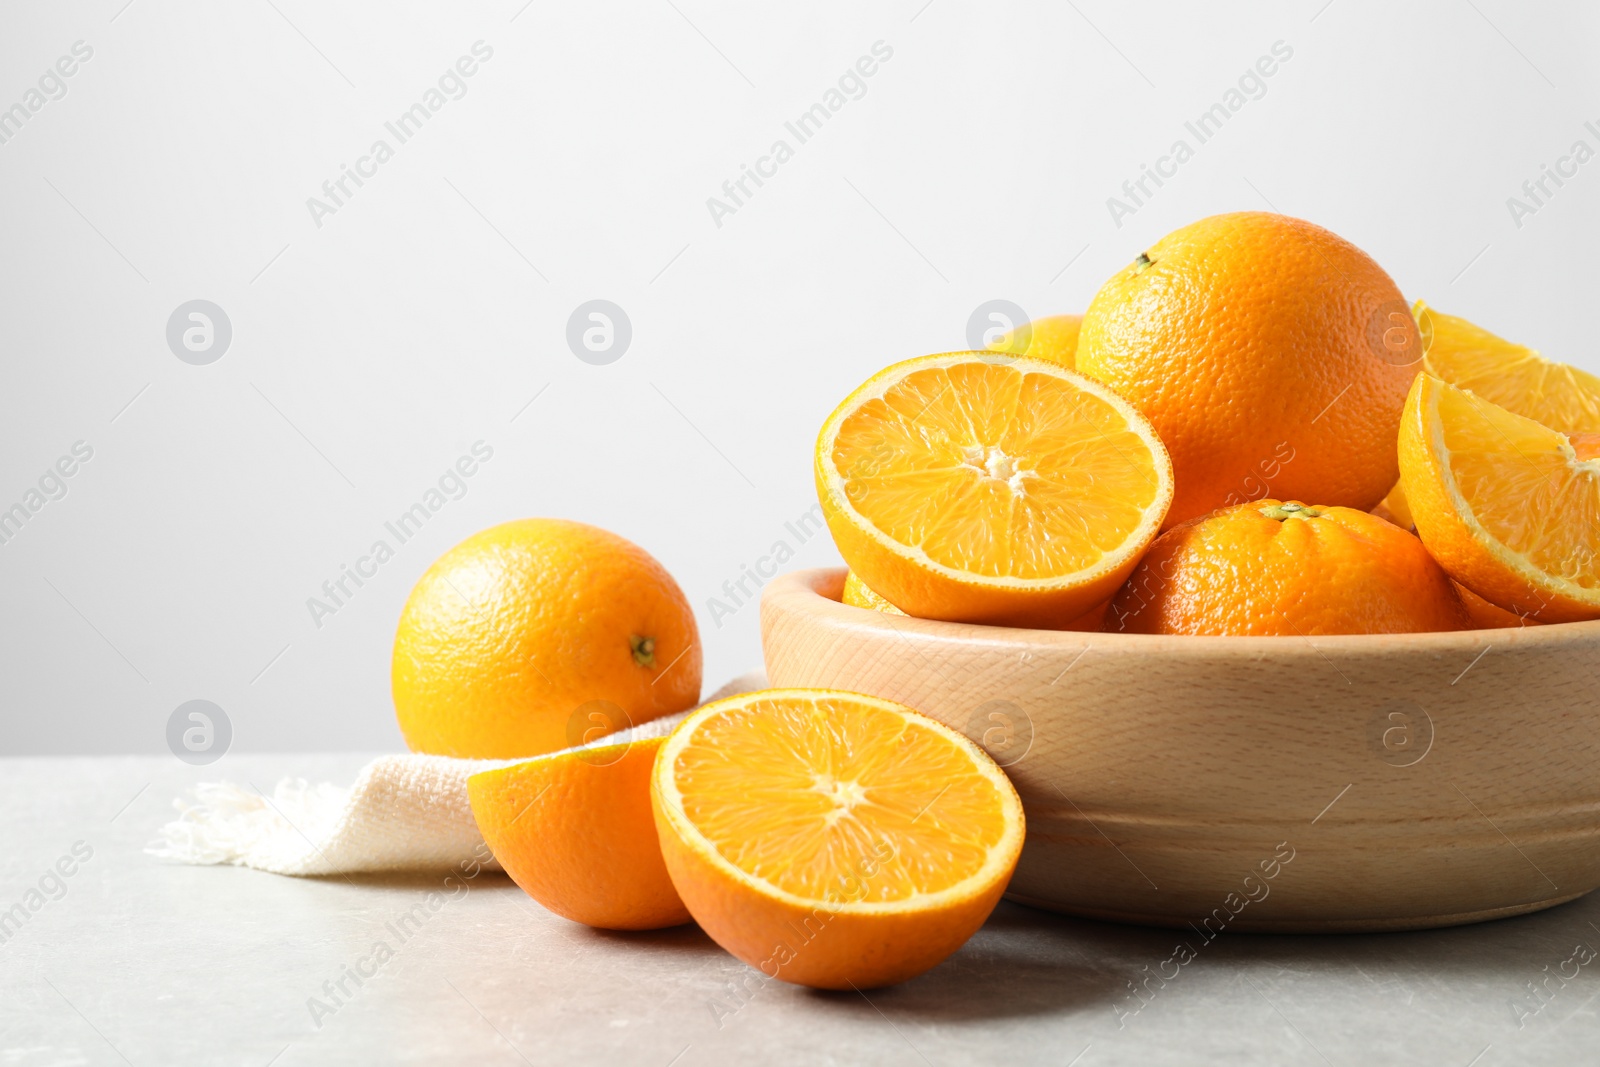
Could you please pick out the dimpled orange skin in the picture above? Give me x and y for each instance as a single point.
(575, 831)
(511, 633)
(1252, 336)
(1243, 571)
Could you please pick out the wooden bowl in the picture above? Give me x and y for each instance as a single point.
(1362, 782)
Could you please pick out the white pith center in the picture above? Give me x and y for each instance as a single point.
(845, 795)
(993, 463)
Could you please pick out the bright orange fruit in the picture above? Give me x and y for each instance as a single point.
(977, 487)
(1394, 508)
(833, 839)
(1271, 356)
(857, 595)
(520, 637)
(1485, 616)
(1053, 338)
(1507, 374)
(1284, 568)
(1510, 507)
(575, 831)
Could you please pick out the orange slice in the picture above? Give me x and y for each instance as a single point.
(1510, 375)
(575, 831)
(832, 839)
(980, 487)
(1509, 507)
(1502, 372)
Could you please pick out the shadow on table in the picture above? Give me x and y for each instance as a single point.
(1027, 962)
(1023, 962)
(1030, 962)
(416, 881)
(688, 939)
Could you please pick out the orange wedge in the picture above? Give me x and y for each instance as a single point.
(575, 831)
(1502, 372)
(832, 839)
(1510, 375)
(980, 487)
(1509, 507)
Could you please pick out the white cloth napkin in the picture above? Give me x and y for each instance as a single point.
(404, 813)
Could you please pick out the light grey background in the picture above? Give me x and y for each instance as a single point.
(430, 311)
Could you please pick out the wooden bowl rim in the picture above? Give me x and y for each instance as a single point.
(803, 591)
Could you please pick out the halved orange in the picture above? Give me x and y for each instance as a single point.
(1509, 507)
(857, 595)
(574, 829)
(1510, 375)
(981, 487)
(833, 839)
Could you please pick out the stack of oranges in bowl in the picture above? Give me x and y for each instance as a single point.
(1240, 437)
(1249, 432)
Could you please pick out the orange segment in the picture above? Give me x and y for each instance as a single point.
(977, 487)
(1507, 505)
(1510, 375)
(575, 831)
(833, 839)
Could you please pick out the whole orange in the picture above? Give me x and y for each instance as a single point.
(539, 634)
(1284, 568)
(1272, 357)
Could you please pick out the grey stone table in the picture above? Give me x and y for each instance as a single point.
(125, 959)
